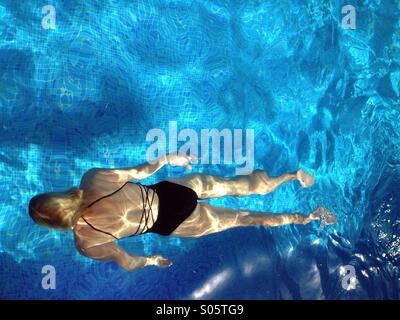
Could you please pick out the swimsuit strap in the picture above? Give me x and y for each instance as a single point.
(145, 201)
(108, 195)
(102, 231)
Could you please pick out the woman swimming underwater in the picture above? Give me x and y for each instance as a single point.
(109, 206)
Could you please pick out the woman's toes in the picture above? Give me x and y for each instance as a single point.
(306, 180)
(324, 215)
(330, 218)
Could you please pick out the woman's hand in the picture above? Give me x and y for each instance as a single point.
(158, 261)
(180, 160)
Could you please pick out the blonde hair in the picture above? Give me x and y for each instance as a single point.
(58, 210)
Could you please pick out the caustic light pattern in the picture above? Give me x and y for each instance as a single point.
(82, 91)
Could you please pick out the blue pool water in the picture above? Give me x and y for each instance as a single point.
(318, 97)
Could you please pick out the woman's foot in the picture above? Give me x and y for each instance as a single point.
(304, 178)
(324, 215)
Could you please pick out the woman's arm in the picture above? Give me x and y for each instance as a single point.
(112, 252)
(140, 172)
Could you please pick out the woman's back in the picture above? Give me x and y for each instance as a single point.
(112, 209)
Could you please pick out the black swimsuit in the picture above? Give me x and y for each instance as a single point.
(175, 204)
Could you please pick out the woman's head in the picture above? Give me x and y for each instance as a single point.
(58, 210)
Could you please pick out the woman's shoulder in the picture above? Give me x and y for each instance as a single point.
(102, 175)
(85, 237)
(90, 176)
(97, 182)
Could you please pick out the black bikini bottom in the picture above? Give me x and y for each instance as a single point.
(176, 203)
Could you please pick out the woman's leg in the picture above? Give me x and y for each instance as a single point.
(258, 182)
(207, 219)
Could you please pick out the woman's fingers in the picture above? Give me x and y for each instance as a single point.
(192, 158)
(182, 160)
(163, 262)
